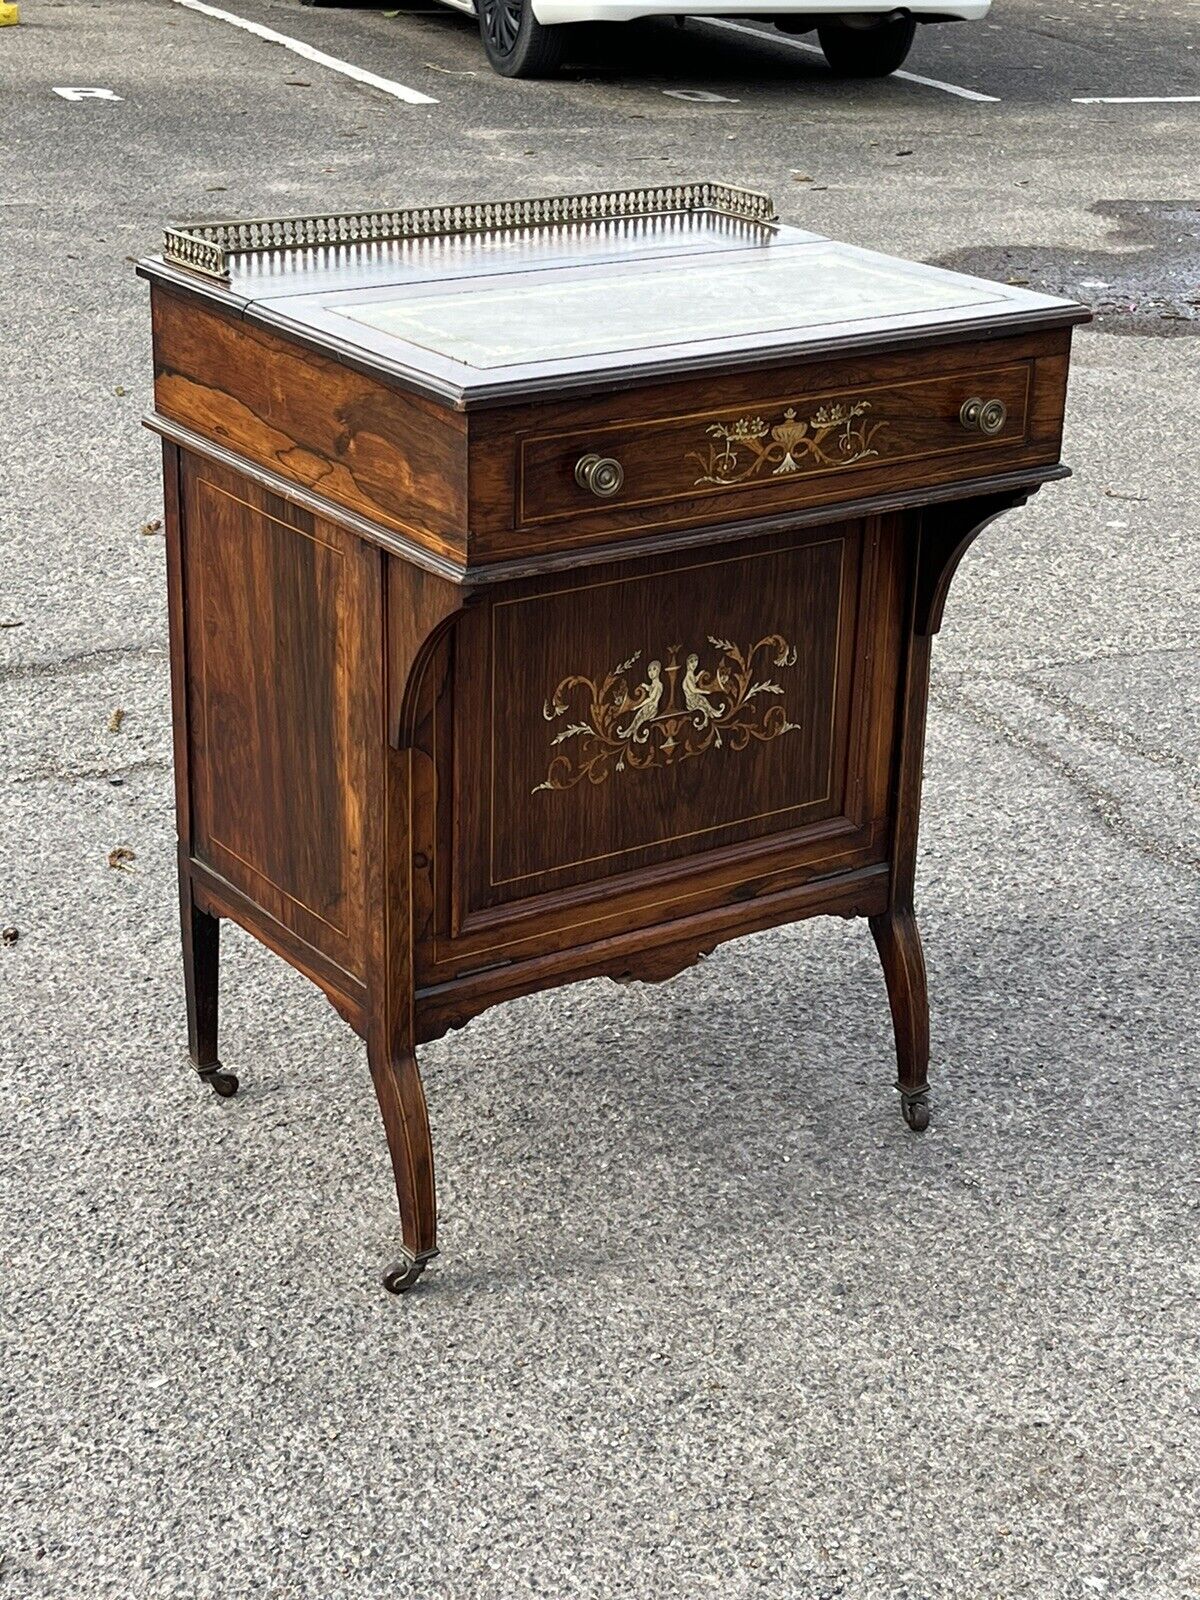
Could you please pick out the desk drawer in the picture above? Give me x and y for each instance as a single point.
(778, 451)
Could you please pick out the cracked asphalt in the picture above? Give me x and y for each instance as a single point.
(708, 1319)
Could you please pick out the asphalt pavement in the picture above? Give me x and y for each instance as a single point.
(708, 1320)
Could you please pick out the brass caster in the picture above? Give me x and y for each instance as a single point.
(915, 1109)
(401, 1276)
(220, 1082)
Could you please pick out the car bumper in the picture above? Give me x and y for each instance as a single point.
(556, 11)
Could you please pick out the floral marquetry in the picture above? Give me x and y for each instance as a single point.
(675, 712)
(834, 436)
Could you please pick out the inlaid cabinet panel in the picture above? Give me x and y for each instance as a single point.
(613, 721)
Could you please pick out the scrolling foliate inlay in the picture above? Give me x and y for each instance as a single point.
(834, 436)
(677, 711)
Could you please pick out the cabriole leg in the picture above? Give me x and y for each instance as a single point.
(201, 960)
(899, 944)
(406, 1122)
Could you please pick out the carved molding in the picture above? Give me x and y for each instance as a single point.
(659, 966)
(422, 608)
(947, 533)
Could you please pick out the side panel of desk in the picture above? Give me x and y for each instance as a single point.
(278, 710)
(387, 455)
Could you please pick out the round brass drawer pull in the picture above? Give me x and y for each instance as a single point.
(601, 474)
(983, 416)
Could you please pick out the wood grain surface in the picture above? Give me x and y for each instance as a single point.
(385, 454)
(278, 733)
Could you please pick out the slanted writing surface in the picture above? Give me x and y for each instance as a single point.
(609, 309)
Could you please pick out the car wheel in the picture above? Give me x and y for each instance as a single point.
(517, 44)
(867, 47)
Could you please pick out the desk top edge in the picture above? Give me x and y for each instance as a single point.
(312, 280)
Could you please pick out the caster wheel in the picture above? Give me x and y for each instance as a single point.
(915, 1109)
(222, 1083)
(403, 1274)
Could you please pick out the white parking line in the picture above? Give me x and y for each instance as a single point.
(1136, 100)
(318, 57)
(704, 97)
(815, 50)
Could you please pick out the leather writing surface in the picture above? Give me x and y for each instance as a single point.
(544, 316)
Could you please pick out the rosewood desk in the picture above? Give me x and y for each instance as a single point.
(552, 586)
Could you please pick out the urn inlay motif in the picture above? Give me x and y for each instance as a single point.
(832, 437)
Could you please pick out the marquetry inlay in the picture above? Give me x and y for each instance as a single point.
(675, 712)
(834, 436)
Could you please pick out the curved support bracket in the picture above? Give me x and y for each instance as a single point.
(421, 608)
(947, 533)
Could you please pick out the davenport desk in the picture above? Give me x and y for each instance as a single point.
(552, 586)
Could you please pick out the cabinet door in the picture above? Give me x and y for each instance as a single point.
(639, 742)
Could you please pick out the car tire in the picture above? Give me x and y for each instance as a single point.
(517, 44)
(870, 49)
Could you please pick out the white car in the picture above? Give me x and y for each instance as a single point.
(528, 38)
